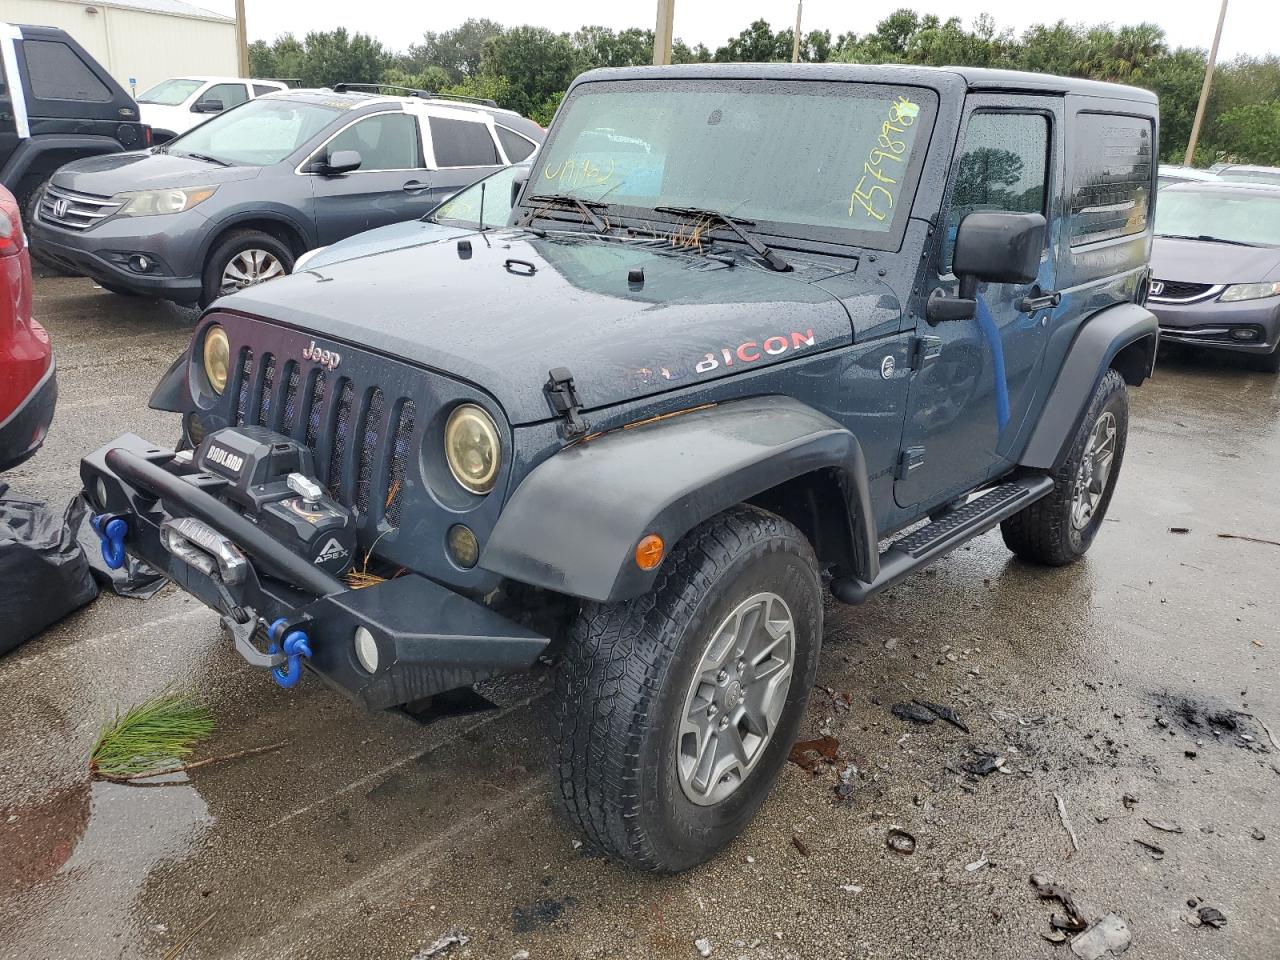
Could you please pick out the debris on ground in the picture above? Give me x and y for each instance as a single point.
(845, 788)
(1241, 536)
(1211, 917)
(810, 755)
(1054, 936)
(977, 864)
(1129, 801)
(850, 888)
(1109, 936)
(899, 841)
(703, 946)
(1179, 529)
(800, 845)
(1066, 821)
(1046, 889)
(983, 764)
(1167, 826)
(443, 944)
(1258, 834)
(1157, 852)
(156, 735)
(924, 712)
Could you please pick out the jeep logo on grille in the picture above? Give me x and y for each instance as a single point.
(60, 207)
(326, 358)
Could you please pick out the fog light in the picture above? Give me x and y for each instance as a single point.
(1244, 333)
(140, 263)
(464, 548)
(100, 492)
(366, 650)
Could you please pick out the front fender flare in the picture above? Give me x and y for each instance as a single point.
(44, 154)
(1095, 349)
(572, 525)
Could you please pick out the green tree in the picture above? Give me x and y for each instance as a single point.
(458, 52)
(537, 63)
(756, 44)
(603, 47)
(1249, 133)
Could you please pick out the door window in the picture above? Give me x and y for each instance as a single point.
(517, 147)
(229, 94)
(388, 141)
(261, 89)
(462, 143)
(56, 72)
(1003, 167)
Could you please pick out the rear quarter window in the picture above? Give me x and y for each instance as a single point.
(462, 143)
(56, 72)
(1111, 187)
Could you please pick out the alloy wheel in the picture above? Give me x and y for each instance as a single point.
(1094, 471)
(247, 268)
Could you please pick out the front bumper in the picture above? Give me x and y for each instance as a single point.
(24, 430)
(103, 252)
(428, 638)
(1214, 324)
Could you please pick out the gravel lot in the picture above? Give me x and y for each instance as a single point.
(1141, 671)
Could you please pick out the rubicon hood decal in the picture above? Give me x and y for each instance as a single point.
(690, 320)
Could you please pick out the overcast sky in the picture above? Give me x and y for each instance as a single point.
(1253, 26)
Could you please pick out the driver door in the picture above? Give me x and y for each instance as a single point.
(968, 399)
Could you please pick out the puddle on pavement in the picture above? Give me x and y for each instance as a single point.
(88, 850)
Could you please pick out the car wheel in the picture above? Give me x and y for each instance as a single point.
(675, 711)
(244, 258)
(1058, 529)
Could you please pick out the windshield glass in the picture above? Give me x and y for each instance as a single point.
(170, 93)
(835, 161)
(1251, 176)
(464, 207)
(256, 134)
(1244, 217)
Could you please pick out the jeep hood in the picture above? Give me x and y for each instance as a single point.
(502, 309)
(1203, 261)
(105, 176)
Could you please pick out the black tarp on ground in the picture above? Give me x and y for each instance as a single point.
(135, 579)
(44, 575)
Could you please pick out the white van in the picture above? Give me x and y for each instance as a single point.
(176, 105)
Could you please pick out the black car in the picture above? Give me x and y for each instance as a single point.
(749, 321)
(57, 104)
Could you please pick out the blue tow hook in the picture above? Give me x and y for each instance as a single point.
(296, 646)
(111, 531)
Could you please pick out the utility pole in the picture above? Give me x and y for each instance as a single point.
(242, 39)
(1189, 159)
(795, 41)
(662, 32)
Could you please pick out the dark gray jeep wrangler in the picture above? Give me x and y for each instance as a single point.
(747, 323)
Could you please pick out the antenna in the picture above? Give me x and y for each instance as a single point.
(482, 186)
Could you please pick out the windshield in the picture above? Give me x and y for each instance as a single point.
(835, 161)
(1251, 217)
(1251, 176)
(257, 133)
(170, 93)
(464, 207)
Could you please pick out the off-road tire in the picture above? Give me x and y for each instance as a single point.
(232, 244)
(1043, 532)
(626, 671)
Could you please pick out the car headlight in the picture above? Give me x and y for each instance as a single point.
(149, 203)
(1250, 291)
(217, 357)
(472, 448)
(301, 263)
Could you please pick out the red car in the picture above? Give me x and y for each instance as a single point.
(28, 386)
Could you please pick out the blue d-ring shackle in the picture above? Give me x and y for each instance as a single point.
(296, 646)
(112, 536)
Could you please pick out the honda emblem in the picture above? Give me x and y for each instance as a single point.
(1157, 287)
(60, 207)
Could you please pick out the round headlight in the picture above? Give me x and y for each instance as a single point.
(472, 448)
(217, 357)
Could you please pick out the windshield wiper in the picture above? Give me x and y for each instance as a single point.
(206, 158)
(564, 199)
(767, 254)
(1205, 237)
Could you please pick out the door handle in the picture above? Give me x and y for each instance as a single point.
(1036, 299)
(413, 186)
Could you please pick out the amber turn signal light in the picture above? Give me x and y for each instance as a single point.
(649, 552)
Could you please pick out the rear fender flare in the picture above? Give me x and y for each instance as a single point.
(1125, 337)
(572, 525)
(36, 159)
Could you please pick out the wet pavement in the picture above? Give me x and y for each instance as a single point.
(1149, 669)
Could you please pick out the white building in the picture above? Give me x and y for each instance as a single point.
(140, 42)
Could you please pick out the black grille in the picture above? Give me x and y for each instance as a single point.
(316, 411)
(268, 386)
(399, 460)
(369, 449)
(1178, 290)
(341, 437)
(290, 422)
(246, 386)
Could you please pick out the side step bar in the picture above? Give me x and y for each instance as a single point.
(921, 547)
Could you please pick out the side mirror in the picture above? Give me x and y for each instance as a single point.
(991, 248)
(341, 161)
(517, 185)
(207, 106)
